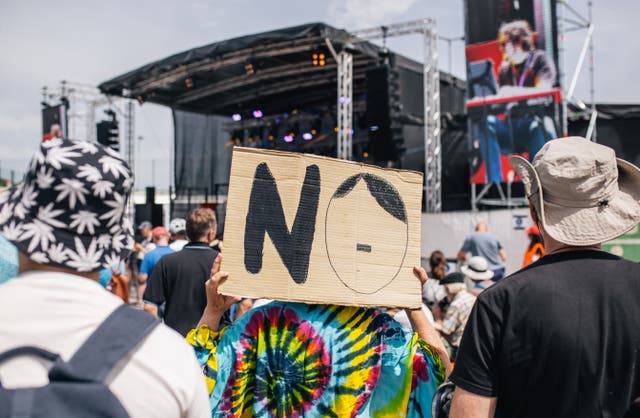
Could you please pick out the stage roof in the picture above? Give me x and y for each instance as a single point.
(270, 71)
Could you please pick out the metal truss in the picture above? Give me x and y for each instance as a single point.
(433, 155)
(84, 100)
(570, 20)
(345, 105)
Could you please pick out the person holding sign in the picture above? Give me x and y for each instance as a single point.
(294, 359)
(329, 241)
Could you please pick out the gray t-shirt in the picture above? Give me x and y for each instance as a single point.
(486, 245)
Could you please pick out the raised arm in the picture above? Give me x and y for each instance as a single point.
(423, 327)
(217, 304)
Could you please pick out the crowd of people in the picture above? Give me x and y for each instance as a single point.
(556, 338)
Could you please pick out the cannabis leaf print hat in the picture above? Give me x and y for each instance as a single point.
(69, 211)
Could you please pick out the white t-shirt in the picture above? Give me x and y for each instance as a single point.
(58, 312)
(148, 245)
(178, 244)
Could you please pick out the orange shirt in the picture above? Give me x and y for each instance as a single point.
(533, 254)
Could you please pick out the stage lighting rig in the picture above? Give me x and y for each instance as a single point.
(318, 59)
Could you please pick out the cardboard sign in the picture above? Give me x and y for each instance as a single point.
(314, 229)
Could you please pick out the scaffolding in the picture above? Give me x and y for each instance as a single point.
(571, 20)
(83, 102)
(431, 91)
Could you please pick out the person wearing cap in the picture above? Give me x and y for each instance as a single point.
(67, 221)
(477, 270)
(178, 279)
(451, 324)
(535, 250)
(160, 238)
(178, 231)
(560, 338)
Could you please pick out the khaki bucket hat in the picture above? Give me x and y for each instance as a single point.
(582, 193)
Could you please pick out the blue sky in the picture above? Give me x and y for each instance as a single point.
(88, 41)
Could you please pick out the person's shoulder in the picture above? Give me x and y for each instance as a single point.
(540, 57)
(166, 249)
(175, 386)
(539, 54)
(168, 352)
(509, 286)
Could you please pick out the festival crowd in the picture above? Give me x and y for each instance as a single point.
(93, 323)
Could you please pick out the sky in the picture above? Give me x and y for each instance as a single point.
(88, 42)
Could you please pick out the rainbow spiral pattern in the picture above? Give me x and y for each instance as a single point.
(297, 360)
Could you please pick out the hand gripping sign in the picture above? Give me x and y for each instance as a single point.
(314, 229)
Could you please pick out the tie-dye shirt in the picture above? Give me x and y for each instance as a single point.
(296, 360)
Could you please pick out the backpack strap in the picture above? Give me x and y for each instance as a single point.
(117, 336)
(29, 350)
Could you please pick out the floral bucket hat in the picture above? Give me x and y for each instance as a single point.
(69, 211)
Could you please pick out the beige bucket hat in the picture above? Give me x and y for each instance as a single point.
(582, 193)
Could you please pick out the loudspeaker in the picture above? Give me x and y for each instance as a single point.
(378, 118)
(149, 212)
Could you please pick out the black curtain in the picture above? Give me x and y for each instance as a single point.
(202, 153)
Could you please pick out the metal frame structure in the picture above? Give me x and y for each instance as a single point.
(566, 24)
(344, 138)
(84, 100)
(433, 156)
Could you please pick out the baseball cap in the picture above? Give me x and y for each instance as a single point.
(145, 224)
(177, 225)
(159, 231)
(455, 277)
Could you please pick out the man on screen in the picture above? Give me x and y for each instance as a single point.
(523, 65)
(524, 69)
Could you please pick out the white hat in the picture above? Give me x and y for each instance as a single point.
(477, 269)
(582, 193)
(177, 225)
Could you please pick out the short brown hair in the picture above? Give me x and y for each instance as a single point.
(438, 264)
(517, 32)
(199, 222)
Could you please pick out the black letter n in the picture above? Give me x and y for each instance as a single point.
(265, 215)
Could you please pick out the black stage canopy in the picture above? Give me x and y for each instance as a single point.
(269, 71)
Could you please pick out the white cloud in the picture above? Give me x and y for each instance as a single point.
(359, 14)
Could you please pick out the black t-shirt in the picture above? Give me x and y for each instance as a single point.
(560, 338)
(179, 280)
